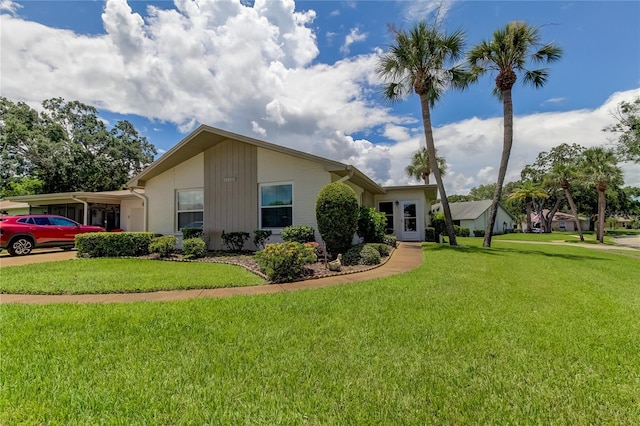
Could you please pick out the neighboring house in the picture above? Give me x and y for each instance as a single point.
(561, 221)
(13, 208)
(110, 209)
(228, 182)
(475, 215)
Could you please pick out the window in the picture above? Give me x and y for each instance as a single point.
(386, 207)
(190, 208)
(276, 205)
(61, 221)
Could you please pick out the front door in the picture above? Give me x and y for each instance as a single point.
(410, 221)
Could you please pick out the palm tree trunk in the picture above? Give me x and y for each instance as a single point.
(507, 108)
(431, 148)
(574, 211)
(528, 209)
(602, 204)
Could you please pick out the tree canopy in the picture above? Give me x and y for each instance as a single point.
(67, 147)
(627, 128)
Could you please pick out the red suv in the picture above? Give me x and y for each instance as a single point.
(21, 234)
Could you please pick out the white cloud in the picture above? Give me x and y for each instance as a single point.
(9, 6)
(418, 10)
(353, 37)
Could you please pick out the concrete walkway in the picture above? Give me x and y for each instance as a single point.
(406, 257)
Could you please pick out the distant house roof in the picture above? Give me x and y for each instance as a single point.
(468, 210)
(205, 137)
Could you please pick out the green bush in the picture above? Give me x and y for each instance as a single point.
(371, 225)
(362, 254)
(163, 246)
(384, 249)
(478, 232)
(438, 224)
(234, 241)
(337, 216)
(461, 232)
(194, 248)
(260, 237)
(390, 240)
(113, 244)
(430, 235)
(284, 262)
(188, 233)
(299, 234)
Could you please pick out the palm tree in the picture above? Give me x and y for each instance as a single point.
(562, 175)
(508, 53)
(526, 191)
(600, 168)
(417, 62)
(420, 167)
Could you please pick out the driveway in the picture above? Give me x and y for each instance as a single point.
(37, 256)
(628, 241)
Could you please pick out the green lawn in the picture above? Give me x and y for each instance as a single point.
(571, 237)
(511, 335)
(87, 276)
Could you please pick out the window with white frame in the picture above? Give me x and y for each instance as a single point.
(189, 208)
(276, 205)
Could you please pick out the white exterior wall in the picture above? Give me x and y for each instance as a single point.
(308, 179)
(401, 195)
(160, 191)
(501, 218)
(132, 215)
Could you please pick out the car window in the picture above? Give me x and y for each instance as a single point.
(41, 221)
(27, 220)
(61, 221)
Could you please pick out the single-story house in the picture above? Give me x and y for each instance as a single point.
(561, 221)
(475, 215)
(222, 181)
(122, 209)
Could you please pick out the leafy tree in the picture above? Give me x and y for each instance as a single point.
(627, 128)
(68, 147)
(508, 53)
(337, 215)
(22, 186)
(600, 168)
(420, 167)
(527, 191)
(564, 175)
(418, 62)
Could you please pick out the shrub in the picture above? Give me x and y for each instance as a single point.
(461, 232)
(430, 234)
(478, 232)
(299, 234)
(234, 241)
(371, 225)
(337, 215)
(384, 249)
(260, 236)
(362, 254)
(285, 261)
(438, 223)
(164, 246)
(188, 233)
(194, 248)
(113, 244)
(390, 240)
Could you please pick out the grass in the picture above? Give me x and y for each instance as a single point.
(89, 276)
(512, 335)
(571, 237)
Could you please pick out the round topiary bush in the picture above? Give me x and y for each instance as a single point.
(337, 214)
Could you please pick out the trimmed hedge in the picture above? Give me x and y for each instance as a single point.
(371, 225)
(363, 254)
(430, 235)
(113, 244)
(461, 232)
(194, 248)
(478, 232)
(390, 240)
(337, 214)
(234, 241)
(284, 262)
(299, 234)
(164, 245)
(188, 233)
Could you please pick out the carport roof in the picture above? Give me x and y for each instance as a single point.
(106, 197)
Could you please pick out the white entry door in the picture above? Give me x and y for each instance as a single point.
(410, 230)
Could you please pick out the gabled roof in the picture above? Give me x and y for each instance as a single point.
(469, 210)
(205, 137)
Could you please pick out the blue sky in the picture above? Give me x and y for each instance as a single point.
(303, 75)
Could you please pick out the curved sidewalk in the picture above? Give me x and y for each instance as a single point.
(406, 257)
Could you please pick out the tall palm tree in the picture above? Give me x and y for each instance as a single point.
(526, 191)
(420, 167)
(419, 62)
(508, 53)
(563, 175)
(599, 167)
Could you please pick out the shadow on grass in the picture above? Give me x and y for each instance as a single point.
(493, 251)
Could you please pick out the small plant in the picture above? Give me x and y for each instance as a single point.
(478, 232)
(461, 232)
(163, 246)
(317, 249)
(234, 241)
(260, 237)
(362, 254)
(371, 225)
(337, 214)
(430, 235)
(188, 233)
(390, 240)
(438, 223)
(384, 249)
(194, 248)
(298, 233)
(284, 262)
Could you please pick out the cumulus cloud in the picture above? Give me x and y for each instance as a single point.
(9, 6)
(353, 37)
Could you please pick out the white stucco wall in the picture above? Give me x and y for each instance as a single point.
(161, 190)
(406, 194)
(132, 215)
(308, 179)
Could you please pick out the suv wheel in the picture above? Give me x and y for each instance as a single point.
(20, 246)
